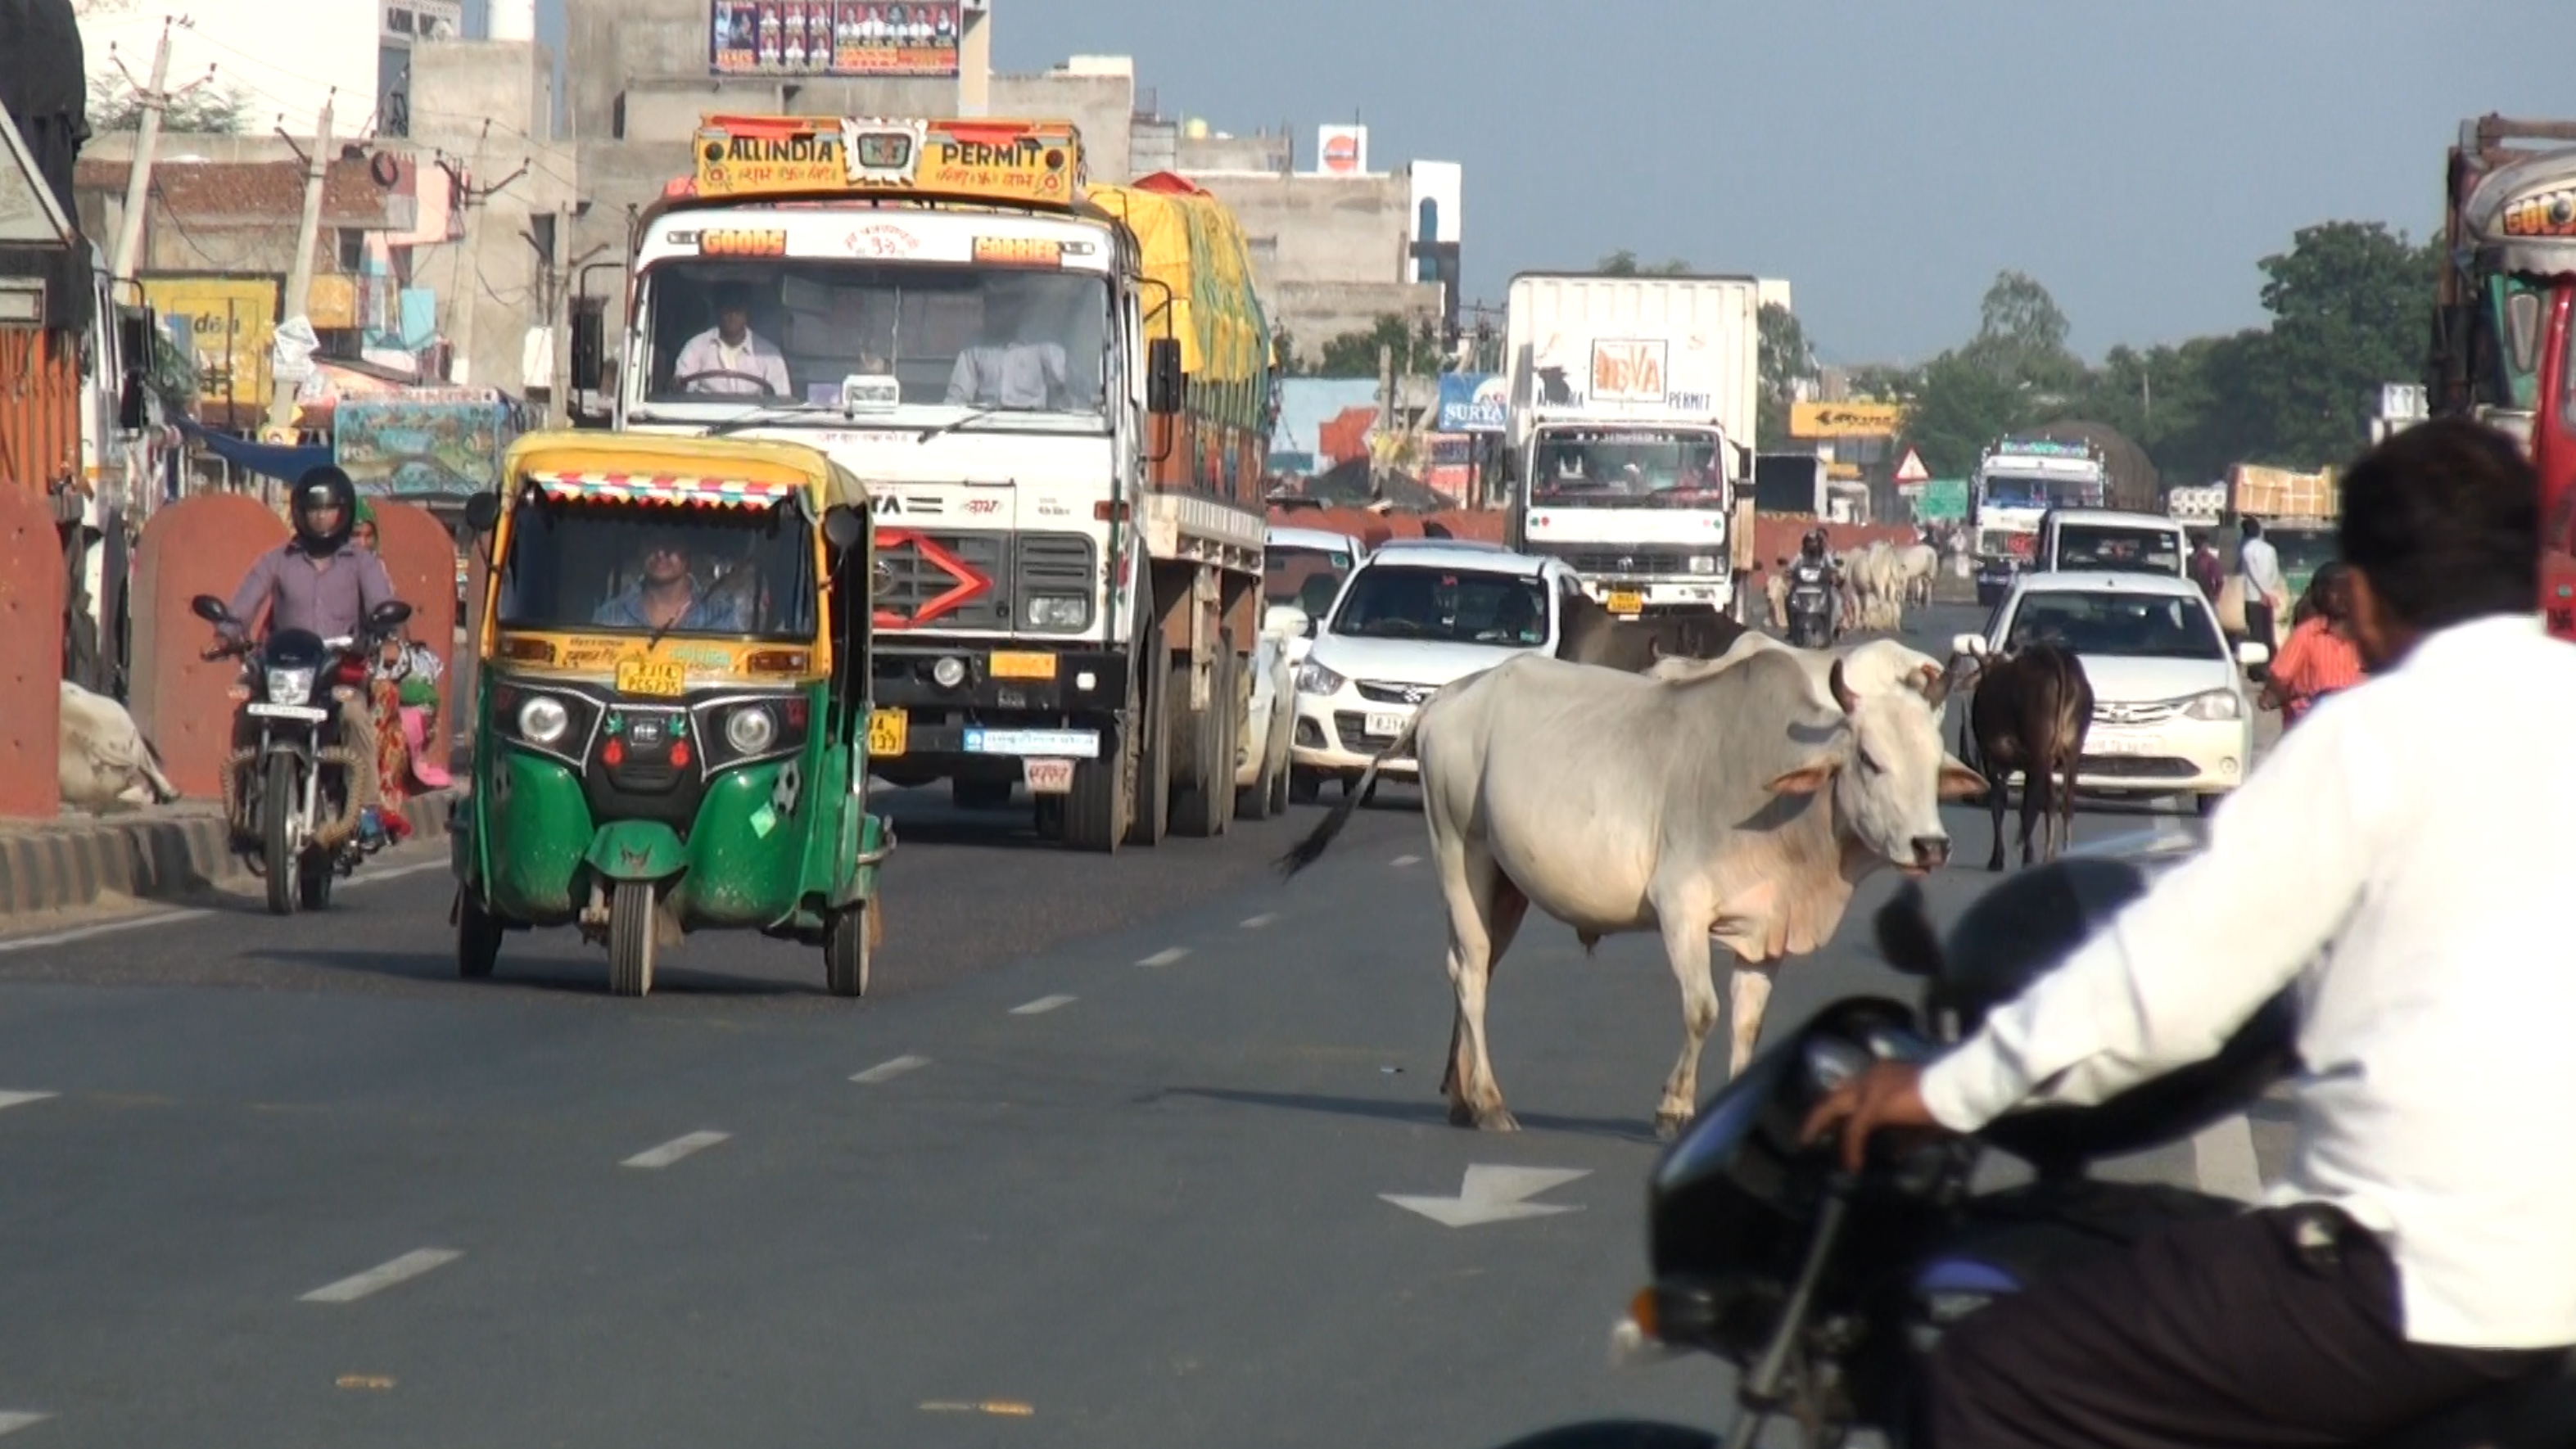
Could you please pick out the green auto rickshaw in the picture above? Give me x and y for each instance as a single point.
(672, 703)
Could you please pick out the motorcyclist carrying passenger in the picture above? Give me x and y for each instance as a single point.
(2420, 1247)
(1816, 568)
(322, 581)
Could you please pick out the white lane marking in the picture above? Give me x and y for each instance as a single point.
(11, 1419)
(1405, 860)
(383, 1275)
(20, 1099)
(1255, 923)
(888, 1071)
(1166, 956)
(164, 918)
(675, 1149)
(1042, 1004)
(1494, 1194)
(2222, 1157)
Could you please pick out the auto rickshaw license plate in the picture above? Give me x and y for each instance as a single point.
(1022, 664)
(1623, 601)
(888, 732)
(660, 677)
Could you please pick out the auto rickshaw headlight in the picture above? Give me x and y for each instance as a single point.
(751, 730)
(543, 719)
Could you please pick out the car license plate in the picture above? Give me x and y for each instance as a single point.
(1387, 726)
(1627, 601)
(1017, 664)
(1050, 777)
(888, 731)
(662, 678)
(2100, 741)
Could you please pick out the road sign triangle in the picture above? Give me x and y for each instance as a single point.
(29, 214)
(1912, 469)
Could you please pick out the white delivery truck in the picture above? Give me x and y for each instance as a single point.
(1631, 430)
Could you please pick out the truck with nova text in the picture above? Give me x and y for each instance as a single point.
(1060, 396)
(1631, 429)
(2016, 484)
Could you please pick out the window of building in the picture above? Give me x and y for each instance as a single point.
(353, 250)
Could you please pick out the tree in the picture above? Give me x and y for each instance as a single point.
(1624, 263)
(1354, 354)
(2347, 302)
(1961, 406)
(1787, 360)
(205, 111)
(2021, 336)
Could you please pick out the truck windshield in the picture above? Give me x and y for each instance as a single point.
(1586, 468)
(785, 332)
(2096, 548)
(586, 567)
(2004, 490)
(1449, 606)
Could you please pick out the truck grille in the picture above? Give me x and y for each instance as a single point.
(962, 580)
(1593, 559)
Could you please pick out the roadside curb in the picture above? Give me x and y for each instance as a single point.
(63, 865)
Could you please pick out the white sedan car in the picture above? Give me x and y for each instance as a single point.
(1406, 622)
(2170, 713)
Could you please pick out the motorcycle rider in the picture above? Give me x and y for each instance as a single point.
(320, 580)
(1816, 569)
(2420, 1247)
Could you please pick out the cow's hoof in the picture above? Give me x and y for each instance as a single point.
(1496, 1119)
(1669, 1125)
(1460, 1114)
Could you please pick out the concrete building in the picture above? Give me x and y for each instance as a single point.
(357, 52)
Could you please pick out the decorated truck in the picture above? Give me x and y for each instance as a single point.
(2017, 482)
(1060, 397)
(1631, 427)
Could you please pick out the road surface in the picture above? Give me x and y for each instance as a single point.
(1107, 1160)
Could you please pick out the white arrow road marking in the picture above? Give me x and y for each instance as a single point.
(1404, 860)
(20, 1099)
(2222, 1158)
(1166, 956)
(386, 1275)
(13, 1419)
(675, 1149)
(1493, 1194)
(888, 1071)
(1041, 1005)
(1255, 923)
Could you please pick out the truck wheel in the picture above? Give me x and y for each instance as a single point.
(849, 946)
(1149, 815)
(1305, 787)
(1277, 788)
(631, 932)
(1096, 815)
(1202, 809)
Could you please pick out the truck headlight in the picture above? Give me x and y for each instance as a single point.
(1313, 678)
(290, 686)
(2218, 704)
(1701, 563)
(1057, 611)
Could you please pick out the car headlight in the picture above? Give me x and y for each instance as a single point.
(751, 730)
(1701, 563)
(2218, 704)
(1313, 678)
(290, 686)
(1058, 611)
(543, 719)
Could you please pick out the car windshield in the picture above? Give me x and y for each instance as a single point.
(2137, 626)
(1451, 606)
(2099, 548)
(788, 332)
(597, 566)
(1306, 577)
(1589, 468)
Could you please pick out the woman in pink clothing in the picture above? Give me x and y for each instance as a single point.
(2319, 657)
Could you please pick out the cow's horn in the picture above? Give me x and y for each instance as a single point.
(1843, 695)
(1936, 685)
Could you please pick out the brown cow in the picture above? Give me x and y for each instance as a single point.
(1590, 634)
(2031, 711)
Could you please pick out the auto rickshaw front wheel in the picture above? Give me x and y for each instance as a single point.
(631, 938)
(478, 937)
(849, 944)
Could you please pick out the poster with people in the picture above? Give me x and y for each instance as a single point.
(834, 37)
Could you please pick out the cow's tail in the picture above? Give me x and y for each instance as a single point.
(1311, 849)
(155, 773)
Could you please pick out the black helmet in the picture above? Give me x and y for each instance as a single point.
(1813, 545)
(2022, 929)
(319, 489)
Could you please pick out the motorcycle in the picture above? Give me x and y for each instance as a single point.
(1828, 1291)
(1811, 606)
(289, 795)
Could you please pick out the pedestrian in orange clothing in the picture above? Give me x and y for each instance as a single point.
(2319, 656)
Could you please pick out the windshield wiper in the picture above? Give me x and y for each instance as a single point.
(952, 425)
(754, 417)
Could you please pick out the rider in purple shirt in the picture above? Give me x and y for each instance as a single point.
(318, 580)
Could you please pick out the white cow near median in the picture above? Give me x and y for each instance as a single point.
(103, 758)
(1742, 803)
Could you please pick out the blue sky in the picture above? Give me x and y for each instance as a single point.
(1886, 156)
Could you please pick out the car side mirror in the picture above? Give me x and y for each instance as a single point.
(388, 615)
(482, 511)
(2253, 653)
(844, 528)
(1973, 645)
(1287, 619)
(1163, 376)
(209, 608)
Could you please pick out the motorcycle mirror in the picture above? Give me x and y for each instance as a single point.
(843, 528)
(482, 511)
(389, 614)
(209, 608)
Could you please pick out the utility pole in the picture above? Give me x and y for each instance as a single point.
(308, 234)
(138, 174)
(467, 299)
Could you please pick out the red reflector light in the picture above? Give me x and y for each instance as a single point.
(614, 755)
(680, 753)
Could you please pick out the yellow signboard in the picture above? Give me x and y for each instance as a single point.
(232, 321)
(1028, 162)
(1846, 419)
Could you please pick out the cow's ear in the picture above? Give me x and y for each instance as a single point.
(1806, 779)
(1958, 782)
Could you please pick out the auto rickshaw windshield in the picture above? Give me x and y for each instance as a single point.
(581, 565)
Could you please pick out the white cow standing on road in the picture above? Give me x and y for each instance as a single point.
(1742, 804)
(104, 758)
(1916, 564)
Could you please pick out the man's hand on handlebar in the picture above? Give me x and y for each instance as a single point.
(1886, 1096)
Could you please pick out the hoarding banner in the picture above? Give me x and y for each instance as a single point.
(1846, 419)
(1473, 402)
(834, 37)
(231, 322)
(439, 443)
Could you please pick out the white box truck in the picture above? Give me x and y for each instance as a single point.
(1631, 428)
